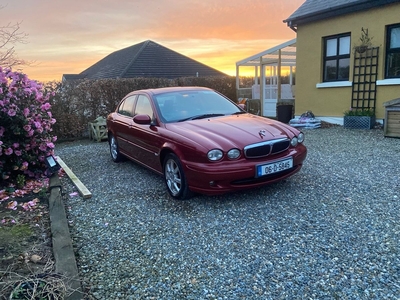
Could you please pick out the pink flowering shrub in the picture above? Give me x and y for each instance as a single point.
(25, 126)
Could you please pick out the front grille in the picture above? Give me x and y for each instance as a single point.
(258, 151)
(266, 148)
(280, 146)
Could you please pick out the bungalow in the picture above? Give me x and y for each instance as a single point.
(146, 59)
(333, 73)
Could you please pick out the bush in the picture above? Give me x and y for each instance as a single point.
(25, 126)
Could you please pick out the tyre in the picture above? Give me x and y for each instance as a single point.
(114, 150)
(175, 179)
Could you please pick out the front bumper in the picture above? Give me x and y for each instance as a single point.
(223, 177)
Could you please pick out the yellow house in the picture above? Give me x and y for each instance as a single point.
(333, 74)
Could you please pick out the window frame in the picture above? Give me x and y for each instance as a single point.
(338, 57)
(389, 50)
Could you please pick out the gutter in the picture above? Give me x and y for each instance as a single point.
(293, 23)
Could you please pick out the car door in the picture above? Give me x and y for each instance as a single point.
(123, 122)
(145, 138)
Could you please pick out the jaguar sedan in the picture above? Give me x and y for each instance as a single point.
(202, 142)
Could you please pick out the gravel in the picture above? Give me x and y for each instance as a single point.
(331, 231)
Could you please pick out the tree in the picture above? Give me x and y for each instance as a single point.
(10, 35)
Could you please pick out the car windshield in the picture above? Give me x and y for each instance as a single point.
(192, 105)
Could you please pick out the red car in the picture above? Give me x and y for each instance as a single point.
(202, 142)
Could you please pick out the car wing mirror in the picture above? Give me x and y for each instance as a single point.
(142, 119)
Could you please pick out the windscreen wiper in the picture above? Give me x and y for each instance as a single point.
(203, 116)
(240, 113)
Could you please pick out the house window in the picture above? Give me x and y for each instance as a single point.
(337, 57)
(393, 51)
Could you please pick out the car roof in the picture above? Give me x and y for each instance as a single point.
(171, 89)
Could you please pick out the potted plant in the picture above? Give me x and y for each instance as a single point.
(359, 118)
(365, 41)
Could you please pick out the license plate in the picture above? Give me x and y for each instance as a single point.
(274, 167)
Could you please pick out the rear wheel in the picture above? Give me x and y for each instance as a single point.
(114, 150)
(175, 178)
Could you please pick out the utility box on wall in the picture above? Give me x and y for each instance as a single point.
(392, 118)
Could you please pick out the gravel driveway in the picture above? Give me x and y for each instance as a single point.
(329, 232)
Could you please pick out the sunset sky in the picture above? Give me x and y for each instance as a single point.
(66, 37)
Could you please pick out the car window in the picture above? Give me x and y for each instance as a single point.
(126, 106)
(175, 106)
(143, 106)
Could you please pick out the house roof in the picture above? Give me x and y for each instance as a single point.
(71, 77)
(314, 10)
(146, 59)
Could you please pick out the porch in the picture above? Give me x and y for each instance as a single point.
(274, 80)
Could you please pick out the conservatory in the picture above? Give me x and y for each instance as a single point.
(274, 80)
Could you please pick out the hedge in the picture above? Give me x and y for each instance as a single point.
(78, 102)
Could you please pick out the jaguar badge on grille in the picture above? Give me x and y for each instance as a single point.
(262, 133)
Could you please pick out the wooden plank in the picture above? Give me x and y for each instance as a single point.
(83, 191)
(63, 251)
(392, 116)
(392, 135)
(394, 120)
(393, 131)
(393, 124)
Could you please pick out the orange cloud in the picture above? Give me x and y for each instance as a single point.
(67, 37)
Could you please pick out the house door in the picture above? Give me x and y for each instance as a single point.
(364, 79)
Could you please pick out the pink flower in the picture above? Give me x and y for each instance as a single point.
(12, 112)
(26, 112)
(46, 106)
(27, 127)
(12, 205)
(16, 145)
(50, 145)
(24, 166)
(18, 152)
(37, 124)
(8, 151)
(43, 147)
(53, 139)
(30, 133)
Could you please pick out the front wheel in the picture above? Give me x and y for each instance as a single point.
(175, 178)
(114, 150)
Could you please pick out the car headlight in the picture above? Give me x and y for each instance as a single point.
(300, 138)
(294, 141)
(214, 154)
(233, 153)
